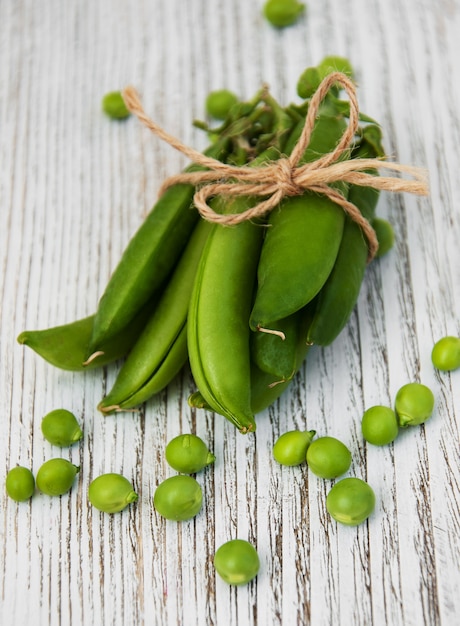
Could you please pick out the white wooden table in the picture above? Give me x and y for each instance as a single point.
(75, 186)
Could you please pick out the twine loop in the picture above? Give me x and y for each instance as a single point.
(286, 176)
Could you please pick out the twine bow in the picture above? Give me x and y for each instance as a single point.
(285, 177)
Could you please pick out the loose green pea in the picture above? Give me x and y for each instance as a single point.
(308, 82)
(178, 498)
(414, 404)
(60, 427)
(282, 13)
(335, 64)
(237, 562)
(379, 425)
(114, 105)
(327, 457)
(385, 235)
(291, 447)
(20, 483)
(55, 477)
(219, 103)
(188, 454)
(111, 493)
(445, 355)
(350, 501)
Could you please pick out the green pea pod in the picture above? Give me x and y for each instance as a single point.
(149, 258)
(281, 355)
(339, 295)
(265, 388)
(166, 371)
(298, 254)
(66, 346)
(139, 374)
(218, 331)
(276, 353)
(302, 241)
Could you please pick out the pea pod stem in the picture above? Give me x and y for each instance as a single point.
(66, 346)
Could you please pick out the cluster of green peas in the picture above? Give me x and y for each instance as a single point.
(180, 497)
(351, 500)
(55, 476)
(109, 492)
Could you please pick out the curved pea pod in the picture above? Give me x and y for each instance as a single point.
(302, 241)
(338, 297)
(266, 388)
(161, 349)
(66, 346)
(218, 331)
(166, 371)
(298, 254)
(149, 258)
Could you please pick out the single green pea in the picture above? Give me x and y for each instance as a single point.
(55, 477)
(385, 235)
(308, 82)
(114, 105)
(188, 454)
(327, 457)
(414, 404)
(282, 13)
(219, 103)
(60, 427)
(350, 501)
(20, 483)
(111, 493)
(379, 425)
(178, 498)
(335, 64)
(445, 355)
(237, 562)
(291, 447)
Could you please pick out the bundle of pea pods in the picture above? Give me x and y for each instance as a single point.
(240, 305)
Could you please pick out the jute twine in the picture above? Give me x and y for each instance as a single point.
(285, 177)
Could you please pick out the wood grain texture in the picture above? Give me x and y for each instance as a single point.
(74, 187)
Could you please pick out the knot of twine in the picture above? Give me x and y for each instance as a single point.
(285, 177)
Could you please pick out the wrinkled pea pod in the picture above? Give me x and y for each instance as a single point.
(301, 243)
(161, 350)
(149, 257)
(66, 346)
(337, 298)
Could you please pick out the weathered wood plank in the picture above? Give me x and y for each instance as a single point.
(75, 186)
